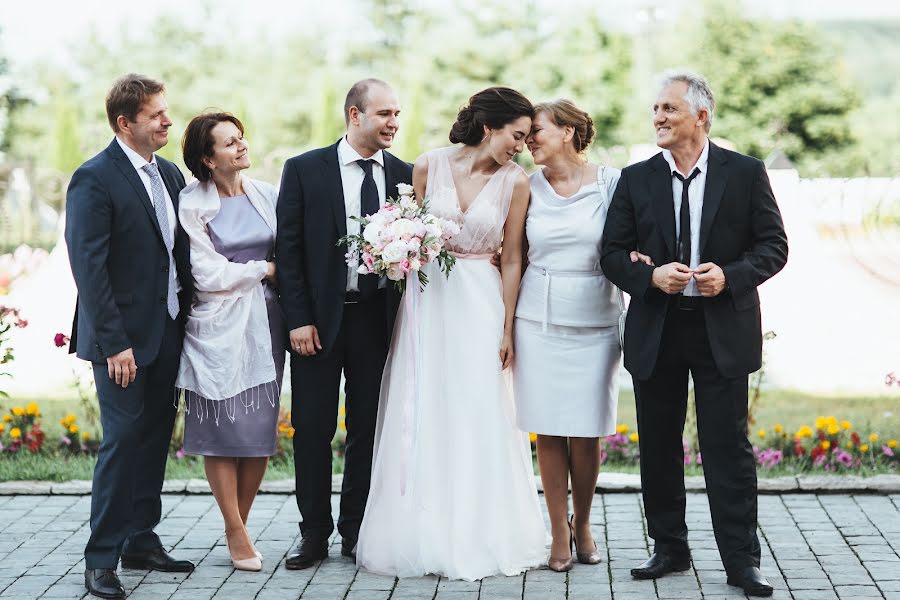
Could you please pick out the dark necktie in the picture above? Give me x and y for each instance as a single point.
(684, 233)
(369, 204)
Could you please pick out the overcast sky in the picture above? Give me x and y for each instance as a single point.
(41, 29)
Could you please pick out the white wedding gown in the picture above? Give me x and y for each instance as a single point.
(453, 490)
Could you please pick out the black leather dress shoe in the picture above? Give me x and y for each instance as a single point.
(103, 583)
(348, 547)
(751, 580)
(307, 552)
(158, 560)
(661, 564)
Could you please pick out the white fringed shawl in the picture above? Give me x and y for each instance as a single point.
(227, 345)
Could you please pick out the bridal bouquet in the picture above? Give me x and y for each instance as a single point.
(400, 239)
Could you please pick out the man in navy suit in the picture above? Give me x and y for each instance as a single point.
(131, 264)
(707, 216)
(338, 319)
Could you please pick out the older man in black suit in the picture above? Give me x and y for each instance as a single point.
(339, 320)
(130, 260)
(708, 218)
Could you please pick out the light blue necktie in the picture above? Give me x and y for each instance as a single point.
(162, 216)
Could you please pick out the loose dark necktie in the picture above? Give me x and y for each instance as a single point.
(162, 217)
(369, 204)
(684, 233)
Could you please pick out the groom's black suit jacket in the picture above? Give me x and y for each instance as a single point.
(312, 268)
(741, 231)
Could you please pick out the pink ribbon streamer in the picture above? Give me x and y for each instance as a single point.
(409, 427)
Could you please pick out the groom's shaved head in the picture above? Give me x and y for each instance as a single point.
(358, 95)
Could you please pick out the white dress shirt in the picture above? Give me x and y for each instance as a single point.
(351, 179)
(695, 206)
(138, 162)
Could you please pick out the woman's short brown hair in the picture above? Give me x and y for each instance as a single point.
(564, 113)
(197, 142)
(127, 96)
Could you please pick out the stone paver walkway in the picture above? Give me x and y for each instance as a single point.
(817, 547)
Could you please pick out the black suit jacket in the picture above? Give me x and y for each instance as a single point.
(119, 259)
(741, 231)
(311, 267)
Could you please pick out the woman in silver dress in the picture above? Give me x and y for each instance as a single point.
(234, 347)
(566, 326)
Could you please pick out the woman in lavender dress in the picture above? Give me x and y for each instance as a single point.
(234, 346)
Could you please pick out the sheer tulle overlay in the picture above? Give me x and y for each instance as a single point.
(452, 488)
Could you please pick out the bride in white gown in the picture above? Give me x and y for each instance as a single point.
(453, 489)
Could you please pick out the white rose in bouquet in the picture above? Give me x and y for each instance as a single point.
(394, 252)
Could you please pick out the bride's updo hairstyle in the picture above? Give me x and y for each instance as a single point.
(495, 107)
(564, 113)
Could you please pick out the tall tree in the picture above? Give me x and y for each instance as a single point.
(779, 85)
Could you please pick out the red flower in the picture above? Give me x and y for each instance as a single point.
(816, 452)
(856, 439)
(60, 339)
(798, 448)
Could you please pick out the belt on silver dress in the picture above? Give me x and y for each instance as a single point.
(548, 275)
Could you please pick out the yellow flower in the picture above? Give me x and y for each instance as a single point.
(833, 429)
(343, 425)
(850, 445)
(778, 428)
(2, 427)
(634, 438)
(622, 429)
(18, 411)
(85, 436)
(283, 428)
(892, 443)
(761, 433)
(15, 433)
(343, 411)
(829, 420)
(846, 425)
(73, 428)
(825, 445)
(873, 437)
(32, 408)
(821, 423)
(864, 448)
(70, 418)
(7, 418)
(532, 437)
(290, 433)
(804, 432)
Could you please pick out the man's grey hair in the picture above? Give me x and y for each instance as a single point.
(699, 96)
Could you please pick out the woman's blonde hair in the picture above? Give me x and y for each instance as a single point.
(564, 112)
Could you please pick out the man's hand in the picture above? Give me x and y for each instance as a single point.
(495, 259)
(710, 279)
(305, 340)
(671, 278)
(122, 368)
(637, 256)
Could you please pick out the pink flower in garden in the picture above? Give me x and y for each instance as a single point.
(699, 459)
(845, 458)
(887, 450)
(180, 454)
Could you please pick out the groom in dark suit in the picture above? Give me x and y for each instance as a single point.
(131, 264)
(339, 320)
(708, 217)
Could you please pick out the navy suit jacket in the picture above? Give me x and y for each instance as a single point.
(119, 259)
(741, 231)
(312, 216)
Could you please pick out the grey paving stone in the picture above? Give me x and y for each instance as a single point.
(857, 591)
